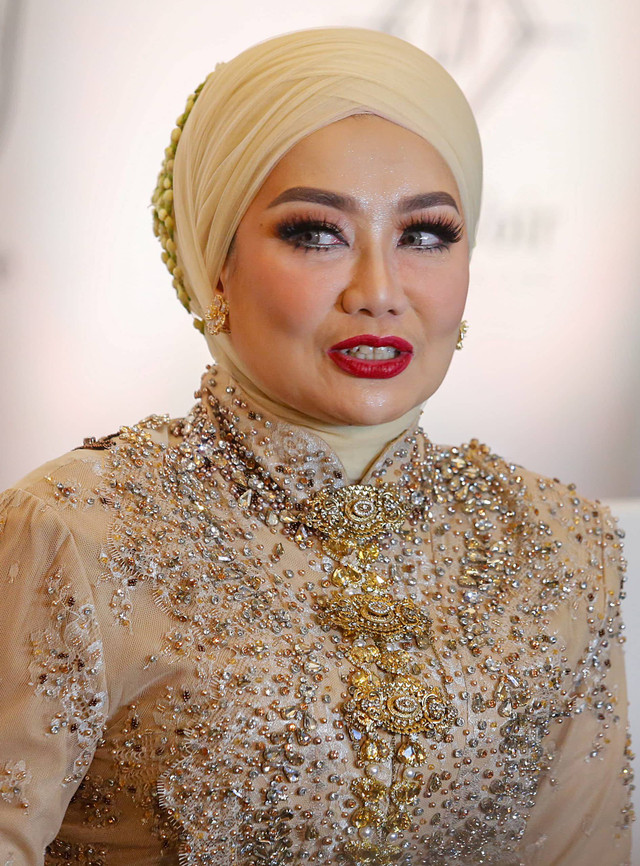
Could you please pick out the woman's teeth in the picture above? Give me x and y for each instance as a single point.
(371, 353)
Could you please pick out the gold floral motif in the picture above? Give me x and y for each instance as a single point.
(369, 790)
(405, 793)
(377, 615)
(371, 854)
(362, 655)
(366, 817)
(397, 821)
(357, 513)
(401, 706)
(345, 575)
(394, 662)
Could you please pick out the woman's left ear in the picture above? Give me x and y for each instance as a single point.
(222, 279)
(227, 269)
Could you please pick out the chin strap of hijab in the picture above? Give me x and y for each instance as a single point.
(356, 446)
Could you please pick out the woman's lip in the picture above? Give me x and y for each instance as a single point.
(371, 369)
(376, 342)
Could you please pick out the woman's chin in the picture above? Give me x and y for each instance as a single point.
(367, 412)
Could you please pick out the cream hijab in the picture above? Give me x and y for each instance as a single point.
(251, 111)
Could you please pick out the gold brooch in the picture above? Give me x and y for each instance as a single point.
(356, 513)
(376, 615)
(401, 706)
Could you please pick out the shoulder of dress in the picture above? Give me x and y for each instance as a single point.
(474, 453)
(562, 505)
(551, 521)
(548, 493)
(77, 477)
(156, 429)
(554, 506)
(475, 468)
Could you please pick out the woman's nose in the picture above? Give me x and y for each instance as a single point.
(373, 287)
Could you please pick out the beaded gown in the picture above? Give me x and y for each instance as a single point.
(215, 650)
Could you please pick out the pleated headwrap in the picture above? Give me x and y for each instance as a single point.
(250, 111)
(254, 108)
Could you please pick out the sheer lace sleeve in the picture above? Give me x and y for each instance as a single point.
(52, 691)
(583, 812)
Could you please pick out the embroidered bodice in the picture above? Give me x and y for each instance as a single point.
(218, 651)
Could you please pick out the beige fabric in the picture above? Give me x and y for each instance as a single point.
(355, 446)
(160, 644)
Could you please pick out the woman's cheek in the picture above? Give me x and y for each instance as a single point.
(442, 301)
(300, 302)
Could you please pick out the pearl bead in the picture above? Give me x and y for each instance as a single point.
(372, 770)
(410, 772)
(365, 832)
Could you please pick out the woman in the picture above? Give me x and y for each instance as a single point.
(287, 627)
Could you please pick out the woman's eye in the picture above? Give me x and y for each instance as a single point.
(316, 238)
(431, 236)
(419, 238)
(311, 236)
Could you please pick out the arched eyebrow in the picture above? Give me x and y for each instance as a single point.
(317, 196)
(426, 200)
(347, 203)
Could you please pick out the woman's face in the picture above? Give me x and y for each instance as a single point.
(348, 274)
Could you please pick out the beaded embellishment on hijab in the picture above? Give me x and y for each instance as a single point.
(163, 214)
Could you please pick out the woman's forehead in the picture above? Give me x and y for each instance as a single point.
(359, 152)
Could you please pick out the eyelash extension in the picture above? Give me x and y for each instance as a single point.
(447, 228)
(297, 225)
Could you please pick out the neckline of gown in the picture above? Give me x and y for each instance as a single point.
(294, 457)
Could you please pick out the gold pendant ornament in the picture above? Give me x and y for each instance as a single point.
(393, 708)
(216, 315)
(356, 513)
(375, 615)
(402, 705)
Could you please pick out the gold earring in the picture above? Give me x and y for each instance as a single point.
(462, 331)
(216, 315)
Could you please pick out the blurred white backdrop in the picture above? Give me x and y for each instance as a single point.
(91, 336)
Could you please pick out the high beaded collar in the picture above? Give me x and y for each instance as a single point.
(298, 461)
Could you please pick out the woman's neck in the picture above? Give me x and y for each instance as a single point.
(356, 446)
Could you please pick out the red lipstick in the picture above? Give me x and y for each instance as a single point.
(374, 368)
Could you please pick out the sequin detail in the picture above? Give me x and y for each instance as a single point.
(15, 779)
(67, 668)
